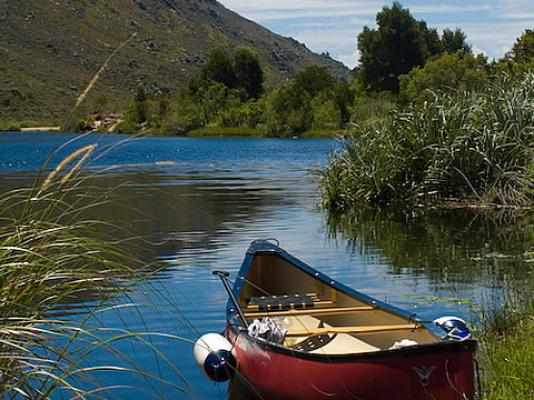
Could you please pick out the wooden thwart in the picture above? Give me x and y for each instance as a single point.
(307, 311)
(351, 329)
(320, 303)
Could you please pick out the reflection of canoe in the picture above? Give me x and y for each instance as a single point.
(338, 340)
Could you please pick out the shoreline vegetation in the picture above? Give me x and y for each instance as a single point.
(206, 132)
(52, 258)
(459, 148)
(507, 351)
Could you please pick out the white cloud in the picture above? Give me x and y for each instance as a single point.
(449, 8)
(518, 15)
(284, 10)
(350, 60)
(295, 9)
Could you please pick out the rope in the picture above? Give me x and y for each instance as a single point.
(462, 395)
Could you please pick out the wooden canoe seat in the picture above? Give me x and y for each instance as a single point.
(343, 343)
(339, 343)
(281, 302)
(351, 329)
(313, 311)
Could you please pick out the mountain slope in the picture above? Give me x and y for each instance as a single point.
(51, 49)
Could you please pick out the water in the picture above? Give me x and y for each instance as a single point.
(202, 211)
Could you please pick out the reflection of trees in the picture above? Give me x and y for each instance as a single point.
(170, 212)
(176, 212)
(443, 245)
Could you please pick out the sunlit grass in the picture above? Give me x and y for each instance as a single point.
(508, 351)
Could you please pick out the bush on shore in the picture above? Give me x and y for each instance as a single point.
(476, 146)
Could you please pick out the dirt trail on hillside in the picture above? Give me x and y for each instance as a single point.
(93, 81)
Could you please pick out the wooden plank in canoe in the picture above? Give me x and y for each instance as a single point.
(319, 303)
(351, 329)
(311, 311)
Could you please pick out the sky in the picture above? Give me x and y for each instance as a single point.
(332, 26)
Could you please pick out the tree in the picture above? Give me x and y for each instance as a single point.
(344, 98)
(219, 68)
(523, 50)
(458, 71)
(326, 113)
(248, 72)
(183, 115)
(453, 41)
(140, 106)
(212, 99)
(313, 80)
(399, 44)
(432, 40)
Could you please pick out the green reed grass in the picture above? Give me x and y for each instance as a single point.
(50, 259)
(477, 147)
(507, 340)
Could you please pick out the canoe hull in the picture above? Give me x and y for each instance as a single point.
(442, 371)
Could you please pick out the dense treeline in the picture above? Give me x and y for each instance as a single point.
(229, 93)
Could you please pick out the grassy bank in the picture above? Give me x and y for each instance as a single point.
(508, 353)
(211, 132)
(225, 132)
(476, 147)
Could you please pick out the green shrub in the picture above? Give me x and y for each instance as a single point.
(183, 115)
(477, 146)
(368, 109)
(451, 72)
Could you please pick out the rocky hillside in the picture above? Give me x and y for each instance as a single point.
(51, 49)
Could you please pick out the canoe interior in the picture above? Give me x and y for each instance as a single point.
(336, 322)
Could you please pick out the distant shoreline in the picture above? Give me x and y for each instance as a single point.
(41, 129)
(200, 133)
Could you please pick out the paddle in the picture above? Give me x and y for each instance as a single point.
(223, 275)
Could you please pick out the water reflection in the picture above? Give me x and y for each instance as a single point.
(444, 245)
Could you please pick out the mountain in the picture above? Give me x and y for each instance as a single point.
(51, 49)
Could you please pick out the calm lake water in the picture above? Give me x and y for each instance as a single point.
(203, 210)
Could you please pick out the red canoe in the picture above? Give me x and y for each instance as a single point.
(338, 342)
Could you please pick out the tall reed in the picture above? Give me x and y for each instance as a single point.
(51, 257)
(474, 146)
(507, 341)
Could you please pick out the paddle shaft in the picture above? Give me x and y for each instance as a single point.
(223, 275)
(351, 329)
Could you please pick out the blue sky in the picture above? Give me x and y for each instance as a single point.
(491, 26)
